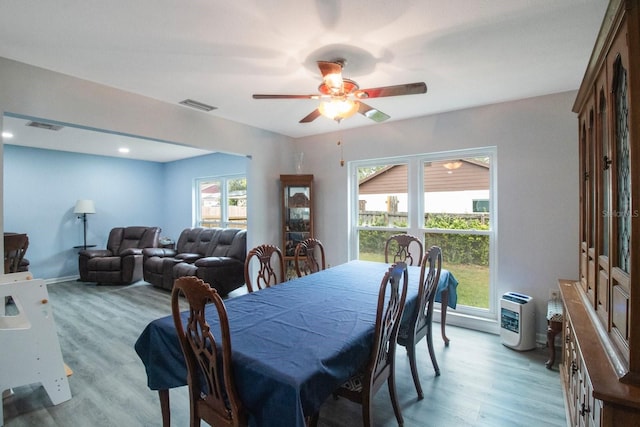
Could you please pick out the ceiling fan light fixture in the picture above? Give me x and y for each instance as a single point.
(334, 82)
(338, 109)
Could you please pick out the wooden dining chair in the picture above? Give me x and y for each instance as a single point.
(420, 322)
(309, 257)
(380, 367)
(212, 391)
(270, 267)
(15, 247)
(403, 248)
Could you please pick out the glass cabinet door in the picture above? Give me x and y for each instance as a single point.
(297, 211)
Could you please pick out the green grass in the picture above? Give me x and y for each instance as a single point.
(473, 281)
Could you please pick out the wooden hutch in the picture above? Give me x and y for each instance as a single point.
(601, 346)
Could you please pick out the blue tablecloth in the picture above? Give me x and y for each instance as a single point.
(293, 344)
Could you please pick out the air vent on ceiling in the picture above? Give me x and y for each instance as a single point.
(199, 105)
(42, 125)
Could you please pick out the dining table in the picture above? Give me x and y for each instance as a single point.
(293, 344)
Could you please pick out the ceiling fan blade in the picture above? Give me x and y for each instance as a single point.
(372, 113)
(405, 89)
(261, 96)
(311, 116)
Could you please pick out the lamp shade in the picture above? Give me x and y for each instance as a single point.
(84, 207)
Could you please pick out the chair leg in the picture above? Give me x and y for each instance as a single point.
(394, 397)
(312, 421)
(411, 352)
(443, 315)
(432, 353)
(367, 410)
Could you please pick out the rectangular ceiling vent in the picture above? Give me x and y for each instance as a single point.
(199, 105)
(46, 126)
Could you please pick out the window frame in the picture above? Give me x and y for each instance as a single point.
(224, 198)
(416, 211)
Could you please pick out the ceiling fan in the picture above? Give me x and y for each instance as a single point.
(342, 98)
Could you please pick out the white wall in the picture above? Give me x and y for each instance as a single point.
(537, 182)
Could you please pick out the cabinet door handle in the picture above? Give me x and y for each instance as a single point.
(606, 162)
(584, 410)
(574, 367)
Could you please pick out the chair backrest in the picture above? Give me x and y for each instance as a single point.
(15, 246)
(429, 278)
(122, 238)
(230, 242)
(309, 257)
(391, 299)
(207, 241)
(207, 355)
(404, 248)
(270, 267)
(187, 241)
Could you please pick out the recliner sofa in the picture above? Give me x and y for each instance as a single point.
(216, 255)
(121, 262)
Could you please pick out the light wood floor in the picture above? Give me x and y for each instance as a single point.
(482, 383)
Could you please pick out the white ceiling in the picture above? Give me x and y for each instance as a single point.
(468, 52)
(90, 141)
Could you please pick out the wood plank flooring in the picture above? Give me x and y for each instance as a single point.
(482, 383)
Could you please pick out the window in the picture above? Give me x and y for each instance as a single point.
(481, 206)
(382, 206)
(221, 202)
(444, 198)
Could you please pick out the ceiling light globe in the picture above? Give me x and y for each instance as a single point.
(338, 109)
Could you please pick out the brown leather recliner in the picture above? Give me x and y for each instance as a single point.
(121, 262)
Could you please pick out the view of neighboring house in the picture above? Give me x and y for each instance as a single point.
(456, 187)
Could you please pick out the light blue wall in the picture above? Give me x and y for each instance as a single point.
(179, 177)
(42, 186)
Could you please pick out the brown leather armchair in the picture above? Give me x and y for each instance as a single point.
(121, 262)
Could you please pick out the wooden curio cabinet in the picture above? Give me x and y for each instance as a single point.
(297, 211)
(601, 346)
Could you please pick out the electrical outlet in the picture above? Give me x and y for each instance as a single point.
(554, 293)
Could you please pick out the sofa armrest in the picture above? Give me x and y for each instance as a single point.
(131, 251)
(216, 262)
(188, 257)
(223, 273)
(92, 253)
(161, 252)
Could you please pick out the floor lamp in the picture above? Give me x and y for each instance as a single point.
(84, 207)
